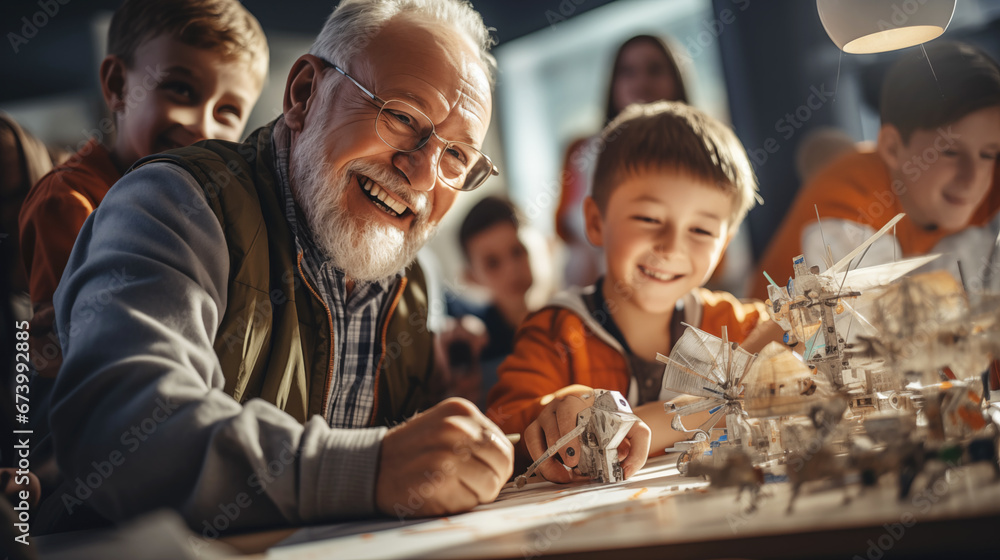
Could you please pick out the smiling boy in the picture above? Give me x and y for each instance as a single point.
(935, 160)
(669, 192)
(177, 72)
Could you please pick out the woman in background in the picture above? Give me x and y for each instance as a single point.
(645, 70)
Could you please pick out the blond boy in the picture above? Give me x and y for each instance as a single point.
(670, 189)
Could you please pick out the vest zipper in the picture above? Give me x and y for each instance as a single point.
(329, 318)
(381, 358)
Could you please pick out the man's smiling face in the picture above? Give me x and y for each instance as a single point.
(371, 207)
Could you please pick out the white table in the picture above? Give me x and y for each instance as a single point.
(659, 514)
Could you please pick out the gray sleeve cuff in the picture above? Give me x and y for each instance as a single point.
(339, 478)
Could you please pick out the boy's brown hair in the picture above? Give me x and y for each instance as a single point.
(669, 135)
(952, 81)
(223, 26)
(487, 213)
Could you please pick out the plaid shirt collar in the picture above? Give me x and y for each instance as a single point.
(355, 318)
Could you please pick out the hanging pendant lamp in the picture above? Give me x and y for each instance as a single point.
(872, 26)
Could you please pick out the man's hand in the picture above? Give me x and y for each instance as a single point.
(558, 418)
(446, 460)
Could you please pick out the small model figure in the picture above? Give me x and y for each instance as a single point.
(707, 366)
(607, 422)
(925, 324)
(892, 381)
(810, 307)
(728, 467)
(601, 427)
(824, 464)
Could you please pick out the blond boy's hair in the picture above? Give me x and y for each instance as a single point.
(669, 135)
(223, 26)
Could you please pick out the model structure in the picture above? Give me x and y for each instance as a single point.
(891, 381)
(601, 428)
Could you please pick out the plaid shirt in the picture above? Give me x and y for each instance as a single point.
(356, 316)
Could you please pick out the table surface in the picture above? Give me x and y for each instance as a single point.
(658, 514)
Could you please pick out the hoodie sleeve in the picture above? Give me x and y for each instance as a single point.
(139, 413)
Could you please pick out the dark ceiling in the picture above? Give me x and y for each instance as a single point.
(59, 56)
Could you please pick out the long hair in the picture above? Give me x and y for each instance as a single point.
(675, 71)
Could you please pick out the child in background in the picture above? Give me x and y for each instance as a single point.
(935, 159)
(645, 69)
(497, 261)
(669, 193)
(24, 159)
(176, 72)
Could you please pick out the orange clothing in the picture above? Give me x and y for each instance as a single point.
(50, 220)
(575, 179)
(562, 345)
(855, 187)
(24, 160)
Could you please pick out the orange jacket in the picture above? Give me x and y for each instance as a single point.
(855, 187)
(561, 345)
(50, 220)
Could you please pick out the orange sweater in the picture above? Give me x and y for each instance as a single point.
(562, 345)
(855, 187)
(50, 220)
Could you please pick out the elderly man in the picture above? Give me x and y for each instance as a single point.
(238, 319)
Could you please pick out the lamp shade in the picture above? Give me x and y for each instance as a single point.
(871, 26)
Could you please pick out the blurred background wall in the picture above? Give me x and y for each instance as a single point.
(765, 66)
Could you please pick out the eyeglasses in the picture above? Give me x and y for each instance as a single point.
(405, 128)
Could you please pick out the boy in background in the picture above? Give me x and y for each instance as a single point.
(668, 195)
(935, 160)
(176, 72)
(497, 261)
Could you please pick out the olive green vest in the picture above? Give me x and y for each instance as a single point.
(276, 336)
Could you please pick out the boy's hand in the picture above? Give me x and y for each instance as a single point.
(764, 333)
(468, 329)
(558, 418)
(453, 449)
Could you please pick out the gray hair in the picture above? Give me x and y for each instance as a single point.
(354, 23)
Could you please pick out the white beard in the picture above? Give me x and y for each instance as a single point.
(366, 251)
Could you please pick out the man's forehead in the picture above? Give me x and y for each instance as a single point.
(474, 95)
(432, 65)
